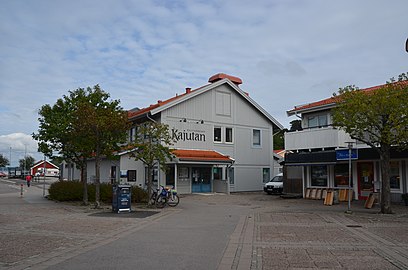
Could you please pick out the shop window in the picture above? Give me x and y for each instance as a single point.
(228, 135)
(217, 134)
(341, 175)
(266, 174)
(217, 172)
(318, 176)
(170, 176)
(394, 175)
(256, 137)
(231, 176)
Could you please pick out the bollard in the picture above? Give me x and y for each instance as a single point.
(21, 190)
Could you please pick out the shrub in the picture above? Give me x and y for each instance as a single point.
(73, 191)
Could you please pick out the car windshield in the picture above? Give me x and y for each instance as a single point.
(277, 179)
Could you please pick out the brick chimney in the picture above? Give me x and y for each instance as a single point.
(188, 90)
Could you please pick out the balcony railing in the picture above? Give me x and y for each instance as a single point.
(314, 138)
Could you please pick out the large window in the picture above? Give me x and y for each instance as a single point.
(217, 172)
(256, 137)
(341, 175)
(319, 176)
(395, 175)
(217, 134)
(317, 121)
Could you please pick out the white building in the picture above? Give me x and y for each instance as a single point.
(224, 140)
(313, 163)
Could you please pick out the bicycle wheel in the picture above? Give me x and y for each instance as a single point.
(153, 198)
(161, 201)
(173, 200)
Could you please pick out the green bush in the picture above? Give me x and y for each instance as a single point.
(73, 190)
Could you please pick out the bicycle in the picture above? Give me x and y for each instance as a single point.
(165, 195)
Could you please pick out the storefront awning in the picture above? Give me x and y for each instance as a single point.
(201, 156)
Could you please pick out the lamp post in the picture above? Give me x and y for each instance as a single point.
(44, 178)
(350, 148)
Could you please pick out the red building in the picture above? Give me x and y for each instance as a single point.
(50, 169)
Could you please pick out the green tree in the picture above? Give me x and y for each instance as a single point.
(81, 125)
(26, 163)
(378, 118)
(151, 146)
(295, 125)
(4, 161)
(279, 139)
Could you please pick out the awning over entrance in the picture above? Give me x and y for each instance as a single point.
(201, 156)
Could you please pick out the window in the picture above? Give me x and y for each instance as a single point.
(231, 176)
(394, 175)
(131, 175)
(228, 135)
(341, 175)
(266, 175)
(217, 172)
(317, 121)
(256, 137)
(319, 176)
(217, 134)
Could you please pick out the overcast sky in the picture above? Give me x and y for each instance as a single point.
(286, 52)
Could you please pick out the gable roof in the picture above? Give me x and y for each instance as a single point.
(331, 102)
(42, 162)
(216, 80)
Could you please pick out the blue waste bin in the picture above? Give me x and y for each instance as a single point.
(121, 198)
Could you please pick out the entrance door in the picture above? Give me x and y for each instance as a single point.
(365, 173)
(201, 180)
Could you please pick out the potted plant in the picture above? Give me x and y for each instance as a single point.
(404, 197)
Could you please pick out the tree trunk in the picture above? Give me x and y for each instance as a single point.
(97, 181)
(149, 182)
(84, 181)
(385, 177)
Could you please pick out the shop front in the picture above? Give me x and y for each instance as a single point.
(199, 171)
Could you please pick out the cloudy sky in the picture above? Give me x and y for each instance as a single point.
(286, 52)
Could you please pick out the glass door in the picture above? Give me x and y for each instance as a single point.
(201, 180)
(365, 173)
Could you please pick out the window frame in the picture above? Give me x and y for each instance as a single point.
(232, 135)
(220, 128)
(253, 138)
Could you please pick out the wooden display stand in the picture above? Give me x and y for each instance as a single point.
(370, 200)
(328, 200)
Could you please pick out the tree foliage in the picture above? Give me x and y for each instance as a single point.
(81, 125)
(26, 163)
(4, 161)
(379, 118)
(151, 146)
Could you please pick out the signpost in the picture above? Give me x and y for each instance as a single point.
(348, 154)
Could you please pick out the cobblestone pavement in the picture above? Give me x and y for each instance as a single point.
(305, 234)
(272, 233)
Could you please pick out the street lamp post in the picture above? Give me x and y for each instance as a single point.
(350, 148)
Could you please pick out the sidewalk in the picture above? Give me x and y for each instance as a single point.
(304, 234)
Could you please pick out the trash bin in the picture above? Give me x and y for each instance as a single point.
(121, 198)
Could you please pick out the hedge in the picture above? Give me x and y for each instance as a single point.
(73, 190)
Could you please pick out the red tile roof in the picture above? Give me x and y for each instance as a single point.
(334, 100)
(201, 155)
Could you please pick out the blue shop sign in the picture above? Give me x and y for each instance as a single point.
(343, 154)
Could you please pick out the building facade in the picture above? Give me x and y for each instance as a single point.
(316, 158)
(223, 140)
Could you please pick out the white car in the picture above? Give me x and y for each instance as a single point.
(275, 185)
